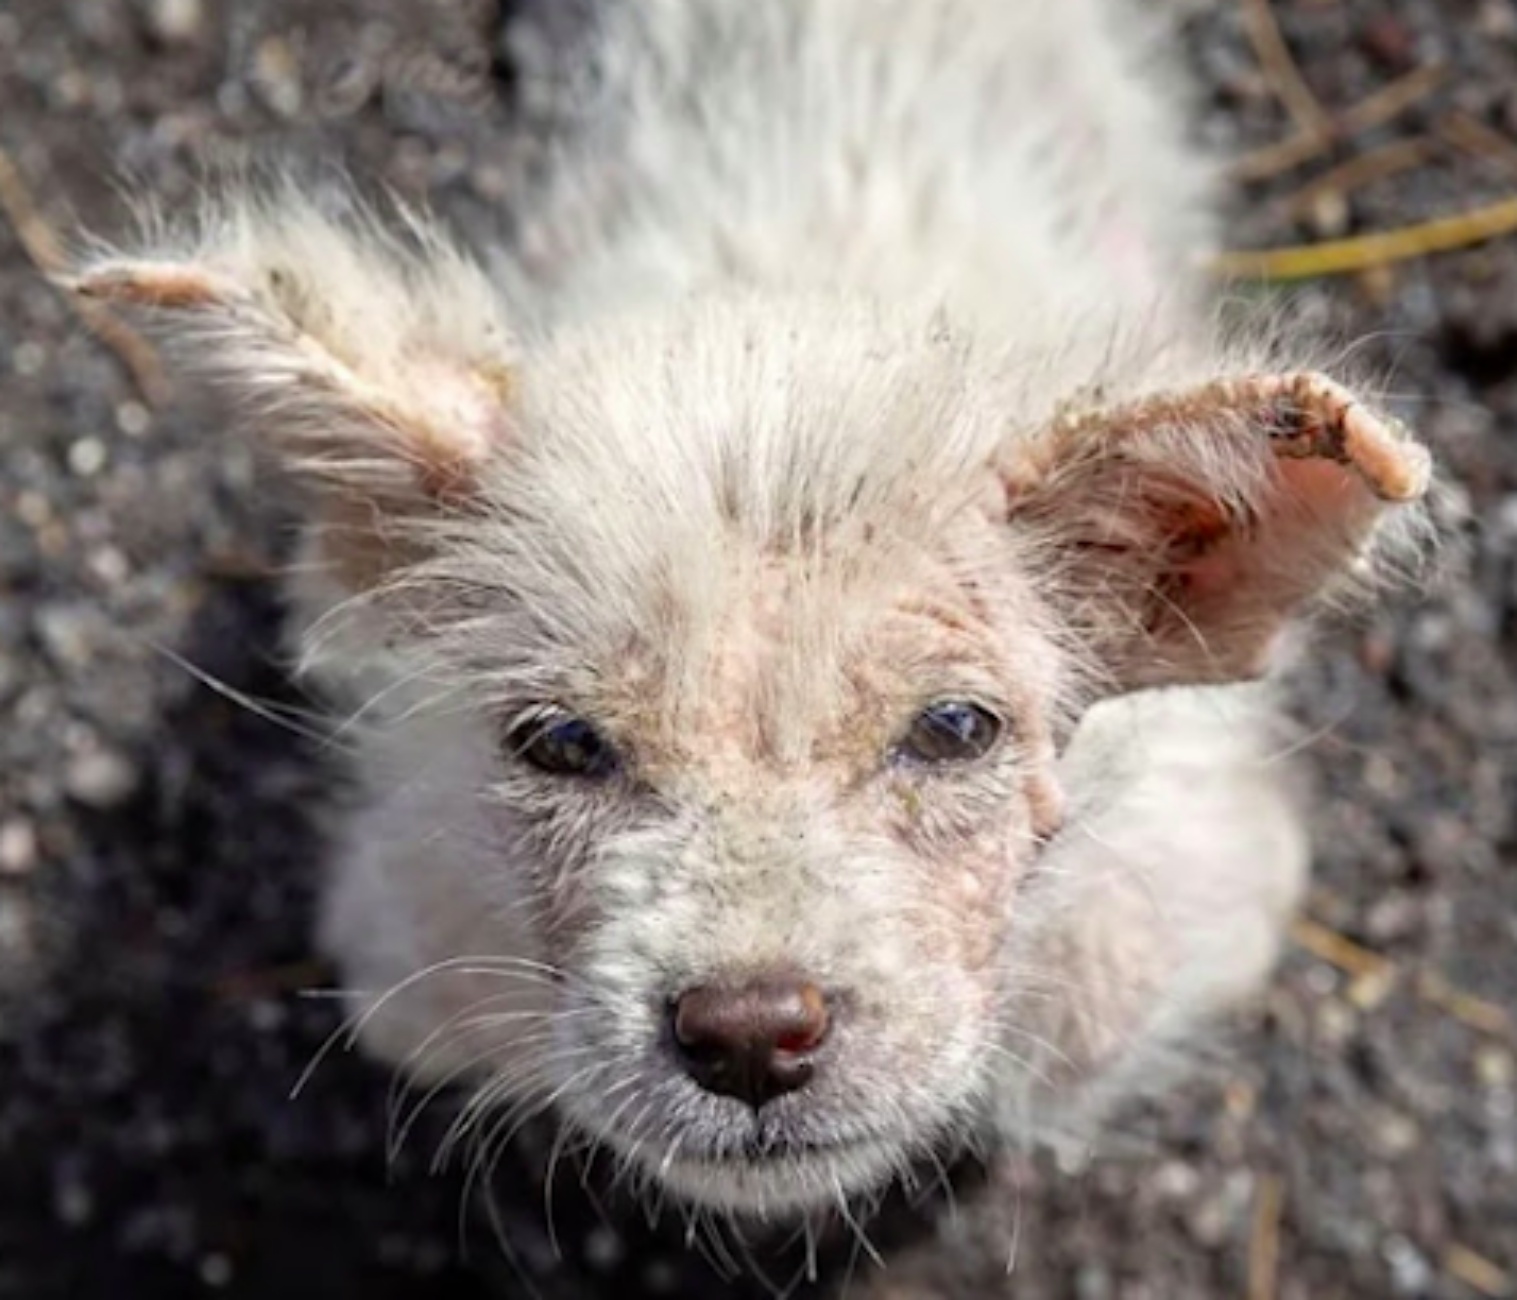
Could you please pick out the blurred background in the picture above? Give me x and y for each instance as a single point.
(158, 840)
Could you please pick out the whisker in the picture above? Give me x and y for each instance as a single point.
(351, 1028)
(282, 716)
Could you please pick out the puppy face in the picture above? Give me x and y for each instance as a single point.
(772, 705)
(828, 849)
(770, 614)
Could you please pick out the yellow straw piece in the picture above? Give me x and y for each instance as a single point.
(1362, 252)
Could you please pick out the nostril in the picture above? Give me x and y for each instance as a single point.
(796, 1042)
(754, 1040)
(806, 1020)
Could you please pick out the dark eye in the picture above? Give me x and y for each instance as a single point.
(950, 731)
(563, 745)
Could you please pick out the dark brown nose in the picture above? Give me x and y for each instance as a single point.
(753, 1041)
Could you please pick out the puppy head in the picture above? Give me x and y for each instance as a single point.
(774, 613)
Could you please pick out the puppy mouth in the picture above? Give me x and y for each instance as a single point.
(760, 1152)
(768, 1166)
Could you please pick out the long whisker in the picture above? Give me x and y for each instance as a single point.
(282, 716)
(351, 1028)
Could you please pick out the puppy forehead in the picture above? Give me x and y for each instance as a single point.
(774, 416)
(752, 522)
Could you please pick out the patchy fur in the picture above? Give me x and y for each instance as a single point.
(851, 358)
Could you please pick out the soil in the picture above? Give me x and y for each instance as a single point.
(159, 839)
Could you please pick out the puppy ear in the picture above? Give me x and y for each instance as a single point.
(1188, 529)
(376, 366)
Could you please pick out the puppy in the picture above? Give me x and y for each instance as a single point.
(801, 602)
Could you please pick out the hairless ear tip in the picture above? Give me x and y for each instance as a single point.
(109, 282)
(102, 284)
(149, 284)
(1395, 468)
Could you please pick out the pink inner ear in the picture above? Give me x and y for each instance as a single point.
(1202, 521)
(1313, 514)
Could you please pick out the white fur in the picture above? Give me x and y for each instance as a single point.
(720, 452)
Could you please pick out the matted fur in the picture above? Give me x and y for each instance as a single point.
(852, 356)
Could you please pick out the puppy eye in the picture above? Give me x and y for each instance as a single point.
(950, 731)
(563, 745)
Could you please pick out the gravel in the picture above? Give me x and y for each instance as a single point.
(158, 841)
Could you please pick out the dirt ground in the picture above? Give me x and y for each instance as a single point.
(158, 842)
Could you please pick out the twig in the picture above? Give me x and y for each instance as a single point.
(1284, 74)
(1374, 972)
(1273, 159)
(1477, 1013)
(1385, 105)
(1477, 1272)
(1264, 1247)
(1362, 252)
(1391, 100)
(1337, 950)
(1373, 976)
(1475, 137)
(1356, 173)
(45, 250)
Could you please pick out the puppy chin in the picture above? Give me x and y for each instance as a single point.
(777, 1186)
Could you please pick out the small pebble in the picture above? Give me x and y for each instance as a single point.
(176, 22)
(1394, 1134)
(100, 778)
(216, 1270)
(87, 457)
(276, 77)
(132, 418)
(1176, 1181)
(1382, 777)
(1494, 1067)
(1377, 284)
(70, 89)
(1321, 979)
(1335, 1023)
(1241, 1099)
(109, 565)
(1328, 216)
(1411, 1274)
(1216, 1215)
(33, 509)
(70, 633)
(1396, 916)
(73, 1202)
(18, 847)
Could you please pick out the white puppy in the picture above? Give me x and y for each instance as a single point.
(753, 584)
